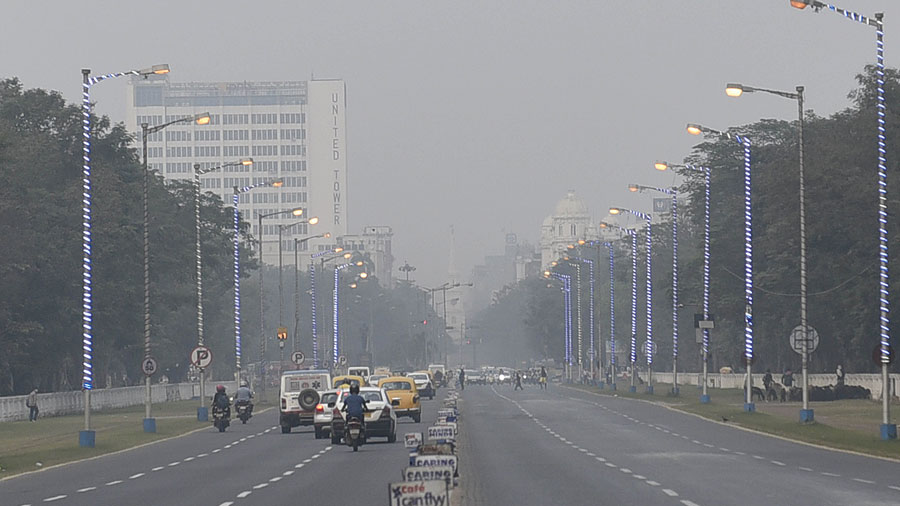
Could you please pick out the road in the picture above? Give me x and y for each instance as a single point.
(565, 446)
(252, 464)
(562, 446)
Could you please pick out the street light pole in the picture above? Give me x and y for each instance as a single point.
(86, 437)
(888, 430)
(202, 410)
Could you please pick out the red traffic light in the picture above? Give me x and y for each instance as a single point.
(468, 341)
(424, 322)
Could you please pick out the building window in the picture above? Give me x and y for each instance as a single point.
(574, 229)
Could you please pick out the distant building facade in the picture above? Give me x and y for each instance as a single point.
(500, 273)
(569, 222)
(294, 131)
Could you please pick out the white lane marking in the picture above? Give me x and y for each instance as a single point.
(676, 434)
(188, 459)
(600, 459)
(652, 483)
(88, 489)
(322, 451)
(758, 457)
(625, 470)
(261, 485)
(55, 498)
(158, 468)
(870, 482)
(669, 492)
(610, 464)
(307, 461)
(582, 450)
(244, 494)
(777, 463)
(805, 468)
(173, 464)
(287, 473)
(316, 455)
(708, 445)
(227, 446)
(226, 503)
(116, 482)
(724, 449)
(236, 442)
(298, 466)
(202, 455)
(242, 440)
(592, 454)
(251, 436)
(327, 448)
(688, 503)
(831, 474)
(640, 477)
(893, 487)
(273, 480)
(740, 453)
(135, 476)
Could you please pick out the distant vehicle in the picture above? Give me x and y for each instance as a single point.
(348, 379)
(220, 418)
(440, 380)
(359, 370)
(300, 392)
(381, 419)
(473, 377)
(403, 395)
(423, 383)
(375, 378)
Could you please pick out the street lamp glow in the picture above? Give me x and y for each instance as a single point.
(277, 184)
(297, 212)
(799, 4)
(734, 89)
(353, 285)
(614, 210)
(360, 263)
(363, 275)
(661, 165)
(326, 234)
(581, 242)
(694, 129)
(546, 274)
(570, 246)
(554, 263)
(633, 188)
(246, 161)
(202, 119)
(348, 254)
(314, 220)
(338, 249)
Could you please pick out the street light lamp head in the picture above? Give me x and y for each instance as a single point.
(326, 235)
(363, 275)
(581, 242)
(348, 255)
(359, 263)
(734, 89)
(694, 129)
(604, 224)
(202, 119)
(156, 69)
(352, 285)
(338, 249)
(278, 184)
(570, 246)
(314, 220)
(799, 4)
(614, 210)
(633, 188)
(661, 165)
(297, 211)
(546, 274)
(246, 161)
(554, 263)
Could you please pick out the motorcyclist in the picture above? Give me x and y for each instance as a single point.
(355, 405)
(221, 401)
(244, 396)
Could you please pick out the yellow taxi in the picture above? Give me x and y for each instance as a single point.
(404, 396)
(347, 380)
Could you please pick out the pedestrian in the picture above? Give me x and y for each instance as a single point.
(31, 403)
(518, 382)
(787, 379)
(840, 375)
(462, 379)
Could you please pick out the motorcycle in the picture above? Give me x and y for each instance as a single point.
(354, 433)
(220, 418)
(244, 410)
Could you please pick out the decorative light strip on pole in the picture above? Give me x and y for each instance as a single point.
(337, 312)
(612, 314)
(312, 295)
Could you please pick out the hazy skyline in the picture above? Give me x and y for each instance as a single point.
(479, 115)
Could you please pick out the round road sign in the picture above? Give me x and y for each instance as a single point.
(342, 360)
(297, 357)
(812, 339)
(201, 357)
(149, 366)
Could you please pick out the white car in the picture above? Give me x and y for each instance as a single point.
(381, 420)
(322, 417)
(373, 379)
(423, 384)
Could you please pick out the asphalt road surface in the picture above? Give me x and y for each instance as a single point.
(252, 464)
(564, 446)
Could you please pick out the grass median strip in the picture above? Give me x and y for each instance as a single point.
(846, 424)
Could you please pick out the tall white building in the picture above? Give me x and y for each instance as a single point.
(295, 131)
(569, 222)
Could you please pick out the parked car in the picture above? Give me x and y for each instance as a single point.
(424, 384)
(381, 420)
(403, 395)
(300, 393)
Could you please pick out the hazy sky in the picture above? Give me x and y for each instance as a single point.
(480, 113)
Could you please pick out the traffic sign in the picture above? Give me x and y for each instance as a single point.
(297, 357)
(812, 339)
(342, 360)
(201, 357)
(149, 366)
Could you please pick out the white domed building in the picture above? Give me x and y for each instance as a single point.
(569, 222)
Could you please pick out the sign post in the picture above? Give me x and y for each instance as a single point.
(201, 357)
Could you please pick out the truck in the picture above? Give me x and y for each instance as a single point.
(300, 393)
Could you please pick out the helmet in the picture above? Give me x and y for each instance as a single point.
(354, 389)
(220, 389)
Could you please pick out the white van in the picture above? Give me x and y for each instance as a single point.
(359, 370)
(300, 392)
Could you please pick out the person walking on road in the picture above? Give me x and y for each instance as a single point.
(462, 379)
(31, 403)
(518, 382)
